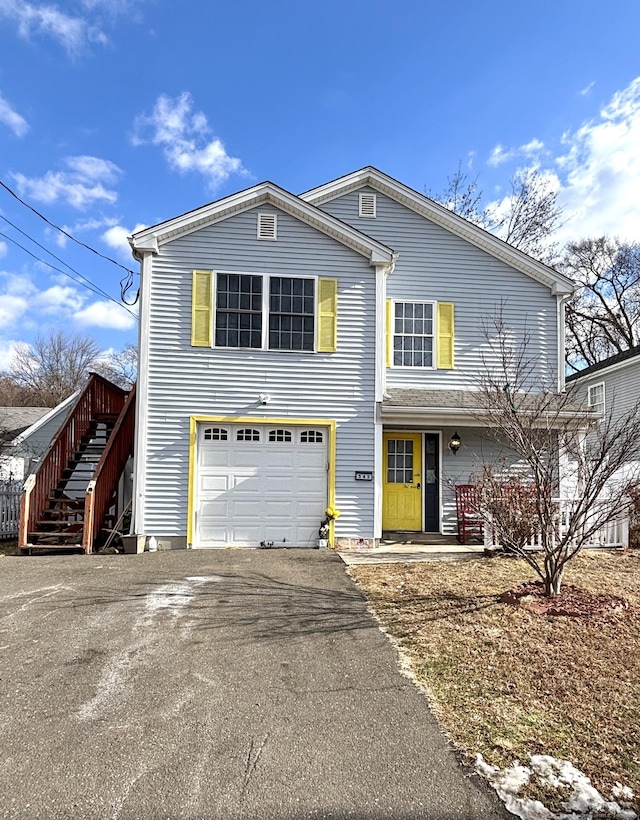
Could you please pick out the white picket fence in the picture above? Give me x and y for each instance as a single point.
(10, 492)
(614, 533)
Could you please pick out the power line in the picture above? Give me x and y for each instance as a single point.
(97, 290)
(89, 286)
(62, 230)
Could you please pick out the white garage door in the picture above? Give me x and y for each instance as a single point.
(260, 484)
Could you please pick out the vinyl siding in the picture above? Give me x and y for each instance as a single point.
(478, 449)
(435, 265)
(185, 381)
(621, 387)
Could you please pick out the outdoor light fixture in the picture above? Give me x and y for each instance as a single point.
(454, 443)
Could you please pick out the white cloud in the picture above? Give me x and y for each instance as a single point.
(84, 182)
(12, 119)
(499, 155)
(11, 309)
(184, 136)
(595, 171)
(105, 314)
(587, 89)
(57, 300)
(3, 249)
(600, 171)
(81, 226)
(116, 238)
(73, 33)
(7, 349)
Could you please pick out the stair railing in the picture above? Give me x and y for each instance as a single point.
(99, 396)
(108, 472)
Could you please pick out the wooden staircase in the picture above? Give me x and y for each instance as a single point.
(73, 494)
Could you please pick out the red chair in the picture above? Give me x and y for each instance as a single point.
(470, 520)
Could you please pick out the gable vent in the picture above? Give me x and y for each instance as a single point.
(367, 206)
(267, 226)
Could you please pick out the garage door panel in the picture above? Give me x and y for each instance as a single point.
(245, 457)
(215, 483)
(311, 460)
(216, 458)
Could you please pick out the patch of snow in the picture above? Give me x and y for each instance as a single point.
(584, 801)
(171, 597)
(507, 783)
(199, 580)
(620, 792)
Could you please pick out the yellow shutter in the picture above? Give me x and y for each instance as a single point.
(445, 336)
(201, 308)
(389, 337)
(327, 315)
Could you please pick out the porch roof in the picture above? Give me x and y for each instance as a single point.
(451, 407)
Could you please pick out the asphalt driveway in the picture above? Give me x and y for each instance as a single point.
(220, 684)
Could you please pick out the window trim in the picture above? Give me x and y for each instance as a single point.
(595, 405)
(265, 313)
(434, 334)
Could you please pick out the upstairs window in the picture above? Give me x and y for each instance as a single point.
(596, 398)
(412, 334)
(238, 310)
(291, 314)
(264, 312)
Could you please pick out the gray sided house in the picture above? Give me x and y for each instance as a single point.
(314, 351)
(612, 386)
(27, 432)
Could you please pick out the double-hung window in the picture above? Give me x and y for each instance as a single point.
(291, 313)
(238, 310)
(596, 398)
(413, 334)
(420, 334)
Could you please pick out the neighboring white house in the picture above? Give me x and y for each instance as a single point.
(27, 432)
(300, 352)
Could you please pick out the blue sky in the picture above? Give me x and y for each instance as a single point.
(121, 113)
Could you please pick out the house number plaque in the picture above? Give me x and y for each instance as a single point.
(364, 476)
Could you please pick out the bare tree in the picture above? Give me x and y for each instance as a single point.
(526, 218)
(529, 216)
(50, 369)
(552, 438)
(463, 196)
(120, 367)
(603, 317)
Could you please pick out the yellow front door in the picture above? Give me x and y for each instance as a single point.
(402, 482)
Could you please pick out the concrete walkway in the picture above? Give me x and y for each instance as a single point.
(212, 684)
(412, 548)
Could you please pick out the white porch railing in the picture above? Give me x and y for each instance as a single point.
(10, 492)
(614, 533)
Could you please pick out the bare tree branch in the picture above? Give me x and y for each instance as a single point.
(603, 316)
(50, 369)
(555, 440)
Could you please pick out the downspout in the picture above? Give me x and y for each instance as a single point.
(140, 437)
(561, 299)
(382, 273)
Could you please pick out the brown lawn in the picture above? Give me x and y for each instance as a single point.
(508, 683)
